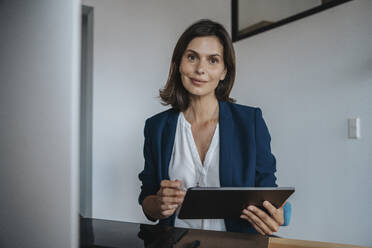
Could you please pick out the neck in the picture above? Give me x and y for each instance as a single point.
(202, 109)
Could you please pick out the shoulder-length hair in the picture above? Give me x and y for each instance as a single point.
(174, 93)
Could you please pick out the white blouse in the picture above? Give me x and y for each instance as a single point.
(186, 166)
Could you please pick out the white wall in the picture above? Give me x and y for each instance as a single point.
(39, 121)
(310, 76)
(133, 44)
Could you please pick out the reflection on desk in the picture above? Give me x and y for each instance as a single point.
(105, 233)
(114, 234)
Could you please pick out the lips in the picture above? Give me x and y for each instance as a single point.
(198, 81)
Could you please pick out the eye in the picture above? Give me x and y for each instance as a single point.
(214, 61)
(191, 57)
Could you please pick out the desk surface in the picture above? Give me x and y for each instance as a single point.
(114, 234)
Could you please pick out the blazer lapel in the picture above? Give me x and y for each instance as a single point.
(226, 131)
(169, 134)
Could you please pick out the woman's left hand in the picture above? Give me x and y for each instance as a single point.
(261, 221)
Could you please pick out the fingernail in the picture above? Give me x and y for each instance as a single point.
(266, 203)
(251, 208)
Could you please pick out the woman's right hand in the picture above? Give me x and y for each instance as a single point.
(169, 197)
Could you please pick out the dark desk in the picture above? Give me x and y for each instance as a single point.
(114, 234)
(104, 233)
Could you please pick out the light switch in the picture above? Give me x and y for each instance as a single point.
(354, 128)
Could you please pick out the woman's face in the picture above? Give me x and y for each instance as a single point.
(202, 66)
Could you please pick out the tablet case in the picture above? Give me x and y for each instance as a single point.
(228, 203)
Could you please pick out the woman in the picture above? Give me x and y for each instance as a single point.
(205, 139)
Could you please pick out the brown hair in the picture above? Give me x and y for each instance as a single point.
(174, 93)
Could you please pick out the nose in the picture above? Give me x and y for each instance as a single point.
(200, 68)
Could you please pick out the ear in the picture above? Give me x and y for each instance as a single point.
(223, 75)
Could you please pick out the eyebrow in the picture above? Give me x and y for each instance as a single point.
(210, 55)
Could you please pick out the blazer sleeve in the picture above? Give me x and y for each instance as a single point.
(148, 175)
(266, 162)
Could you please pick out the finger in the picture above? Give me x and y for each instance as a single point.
(276, 213)
(165, 207)
(171, 184)
(168, 212)
(171, 200)
(165, 191)
(256, 220)
(243, 216)
(172, 192)
(259, 222)
(265, 218)
(272, 210)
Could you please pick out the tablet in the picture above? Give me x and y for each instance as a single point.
(228, 203)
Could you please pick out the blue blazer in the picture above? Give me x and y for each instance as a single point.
(245, 155)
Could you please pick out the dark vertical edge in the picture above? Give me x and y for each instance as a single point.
(234, 20)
